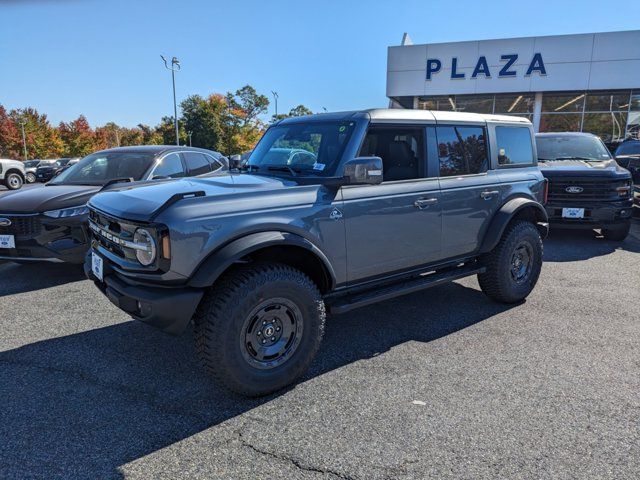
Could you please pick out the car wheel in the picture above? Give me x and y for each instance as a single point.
(30, 178)
(13, 181)
(514, 265)
(618, 233)
(259, 327)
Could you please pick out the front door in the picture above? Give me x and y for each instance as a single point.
(396, 225)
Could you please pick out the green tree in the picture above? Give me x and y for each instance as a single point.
(43, 141)
(298, 111)
(204, 118)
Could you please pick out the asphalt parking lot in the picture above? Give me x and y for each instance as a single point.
(439, 384)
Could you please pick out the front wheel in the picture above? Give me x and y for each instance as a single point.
(514, 265)
(13, 181)
(617, 233)
(259, 327)
(30, 177)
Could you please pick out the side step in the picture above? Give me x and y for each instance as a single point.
(348, 302)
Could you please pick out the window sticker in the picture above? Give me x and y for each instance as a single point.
(318, 166)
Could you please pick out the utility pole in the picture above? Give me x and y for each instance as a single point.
(189, 133)
(174, 67)
(23, 122)
(275, 97)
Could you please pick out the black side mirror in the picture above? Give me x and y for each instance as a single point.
(235, 161)
(364, 171)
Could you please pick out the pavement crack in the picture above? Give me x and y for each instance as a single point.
(294, 461)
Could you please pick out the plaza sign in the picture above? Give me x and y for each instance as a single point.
(434, 65)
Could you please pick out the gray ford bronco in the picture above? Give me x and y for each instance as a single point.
(331, 212)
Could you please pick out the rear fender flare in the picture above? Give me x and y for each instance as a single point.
(510, 210)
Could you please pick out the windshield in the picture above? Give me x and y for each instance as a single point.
(99, 168)
(61, 163)
(562, 147)
(31, 163)
(308, 148)
(628, 148)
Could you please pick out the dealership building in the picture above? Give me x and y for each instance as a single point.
(587, 82)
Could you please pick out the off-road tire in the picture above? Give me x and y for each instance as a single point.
(13, 181)
(618, 233)
(30, 178)
(498, 281)
(221, 318)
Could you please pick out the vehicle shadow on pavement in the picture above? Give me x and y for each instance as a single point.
(576, 245)
(86, 404)
(15, 278)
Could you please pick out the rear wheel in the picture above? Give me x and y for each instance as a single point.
(259, 327)
(617, 233)
(514, 265)
(13, 181)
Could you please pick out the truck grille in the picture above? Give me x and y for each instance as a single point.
(21, 226)
(584, 190)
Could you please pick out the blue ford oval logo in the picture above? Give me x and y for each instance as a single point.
(5, 222)
(574, 189)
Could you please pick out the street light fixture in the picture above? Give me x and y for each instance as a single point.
(174, 67)
(22, 123)
(275, 97)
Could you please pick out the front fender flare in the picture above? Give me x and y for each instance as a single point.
(218, 261)
(506, 213)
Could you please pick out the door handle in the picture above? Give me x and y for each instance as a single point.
(423, 203)
(487, 194)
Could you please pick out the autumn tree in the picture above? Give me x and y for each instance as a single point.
(78, 137)
(43, 141)
(10, 136)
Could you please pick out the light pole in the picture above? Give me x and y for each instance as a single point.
(23, 122)
(275, 97)
(174, 67)
(189, 133)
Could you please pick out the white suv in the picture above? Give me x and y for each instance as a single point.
(11, 173)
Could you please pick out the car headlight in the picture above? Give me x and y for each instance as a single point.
(145, 247)
(68, 212)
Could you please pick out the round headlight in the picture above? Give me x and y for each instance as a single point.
(146, 254)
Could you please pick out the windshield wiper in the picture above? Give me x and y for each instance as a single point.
(577, 158)
(283, 168)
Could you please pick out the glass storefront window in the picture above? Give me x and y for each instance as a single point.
(610, 127)
(573, 102)
(607, 101)
(514, 103)
(474, 103)
(436, 103)
(565, 122)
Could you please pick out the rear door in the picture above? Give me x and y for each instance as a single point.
(470, 190)
(395, 225)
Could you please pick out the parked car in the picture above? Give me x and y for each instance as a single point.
(30, 167)
(46, 171)
(395, 202)
(628, 156)
(49, 223)
(587, 188)
(66, 166)
(12, 174)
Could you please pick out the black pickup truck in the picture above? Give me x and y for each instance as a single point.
(587, 188)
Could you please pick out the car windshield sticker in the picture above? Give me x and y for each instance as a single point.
(318, 166)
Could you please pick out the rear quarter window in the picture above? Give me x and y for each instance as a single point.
(515, 146)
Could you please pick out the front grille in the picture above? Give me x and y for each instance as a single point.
(21, 226)
(592, 190)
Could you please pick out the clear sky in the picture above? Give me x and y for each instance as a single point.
(102, 57)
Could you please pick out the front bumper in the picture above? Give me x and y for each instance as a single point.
(168, 308)
(596, 215)
(44, 239)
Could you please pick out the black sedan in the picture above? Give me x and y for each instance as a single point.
(49, 223)
(46, 171)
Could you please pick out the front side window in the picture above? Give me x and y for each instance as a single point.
(514, 146)
(462, 150)
(314, 147)
(197, 163)
(571, 147)
(170, 166)
(99, 168)
(401, 150)
(628, 148)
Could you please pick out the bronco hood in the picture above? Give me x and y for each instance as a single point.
(142, 203)
(583, 168)
(42, 199)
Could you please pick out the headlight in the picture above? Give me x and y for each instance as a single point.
(145, 247)
(68, 212)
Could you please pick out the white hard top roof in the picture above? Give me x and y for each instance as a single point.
(398, 114)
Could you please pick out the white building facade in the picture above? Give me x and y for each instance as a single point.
(587, 82)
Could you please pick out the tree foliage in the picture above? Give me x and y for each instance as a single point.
(229, 123)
